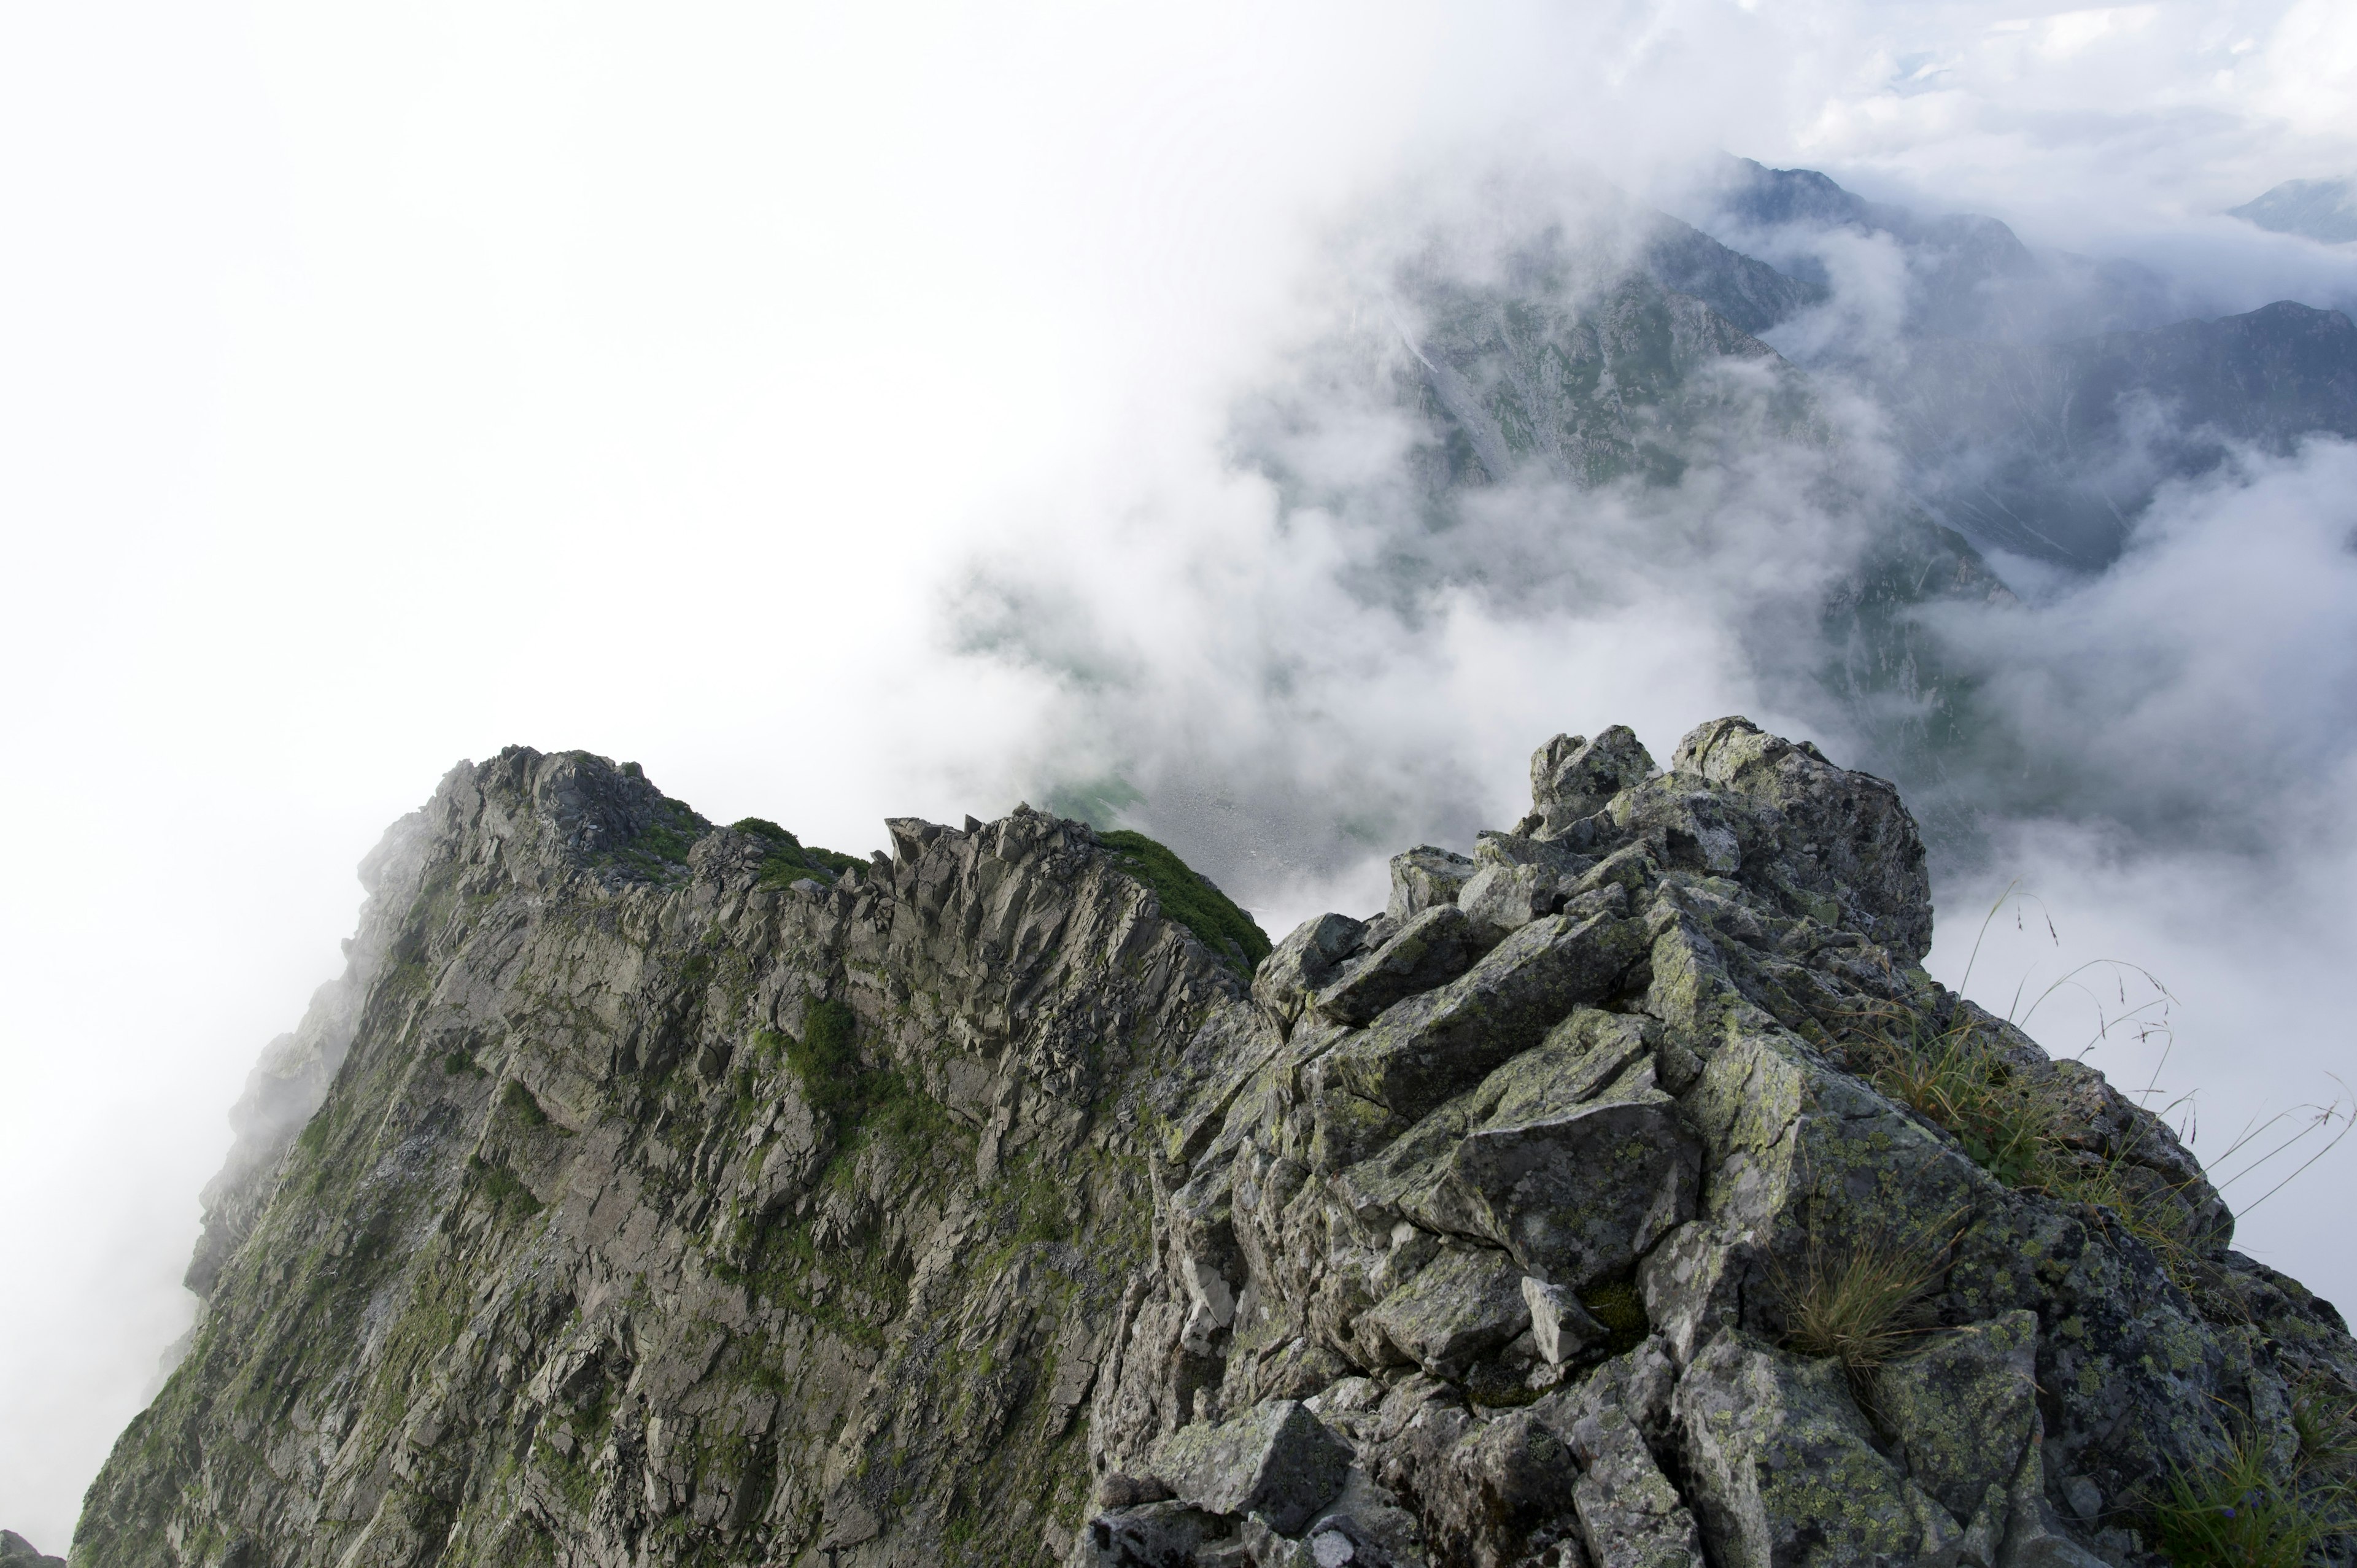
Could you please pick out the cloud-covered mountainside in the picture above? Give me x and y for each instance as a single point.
(1623, 1193)
(1881, 472)
(2324, 210)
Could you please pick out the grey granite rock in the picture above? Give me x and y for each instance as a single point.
(1427, 1047)
(1149, 1535)
(1431, 947)
(1277, 1460)
(1629, 1513)
(1423, 876)
(1464, 1303)
(1305, 963)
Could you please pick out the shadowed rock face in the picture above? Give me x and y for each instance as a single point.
(964, 1210)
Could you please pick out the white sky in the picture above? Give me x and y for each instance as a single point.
(382, 385)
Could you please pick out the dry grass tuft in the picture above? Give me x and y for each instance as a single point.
(2239, 1513)
(1861, 1303)
(2008, 1124)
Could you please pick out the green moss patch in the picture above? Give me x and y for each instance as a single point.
(786, 860)
(1188, 897)
(661, 847)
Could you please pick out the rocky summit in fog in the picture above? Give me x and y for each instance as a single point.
(1624, 1193)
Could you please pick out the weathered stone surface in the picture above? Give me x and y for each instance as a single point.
(1783, 1470)
(1427, 1047)
(1630, 1514)
(1842, 836)
(1576, 1198)
(1517, 880)
(1366, 1526)
(1304, 963)
(1277, 1460)
(1573, 777)
(1965, 1411)
(652, 1193)
(1560, 1328)
(1431, 947)
(1423, 876)
(1464, 1303)
(1493, 1494)
(1151, 1535)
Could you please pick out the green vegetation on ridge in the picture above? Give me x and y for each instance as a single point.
(787, 859)
(1188, 897)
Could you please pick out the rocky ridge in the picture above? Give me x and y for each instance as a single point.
(677, 1199)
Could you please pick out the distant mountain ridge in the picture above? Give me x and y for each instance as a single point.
(2323, 210)
(1968, 275)
(2036, 396)
(2053, 450)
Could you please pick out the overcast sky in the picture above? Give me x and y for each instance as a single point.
(383, 385)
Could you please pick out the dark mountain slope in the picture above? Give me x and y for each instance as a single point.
(2055, 449)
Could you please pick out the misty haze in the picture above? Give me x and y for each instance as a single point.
(1396, 786)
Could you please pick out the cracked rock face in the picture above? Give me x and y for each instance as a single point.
(658, 1208)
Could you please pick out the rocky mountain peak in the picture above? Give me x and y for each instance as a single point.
(1623, 1193)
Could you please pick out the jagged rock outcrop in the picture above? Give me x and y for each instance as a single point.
(15, 1551)
(671, 1205)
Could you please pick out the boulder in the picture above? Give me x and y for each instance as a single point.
(1152, 1535)
(1495, 1491)
(1460, 1307)
(1430, 1047)
(1304, 963)
(1630, 1514)
(1842, 835)
(1517, 880)
(1431, 948)
(1423, 876)
(1366, 1526)
(1575, 1198)
(1572, 777)
(1781, 1469)
(1277, 1460)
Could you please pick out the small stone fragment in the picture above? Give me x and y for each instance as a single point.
(1560, 1327)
